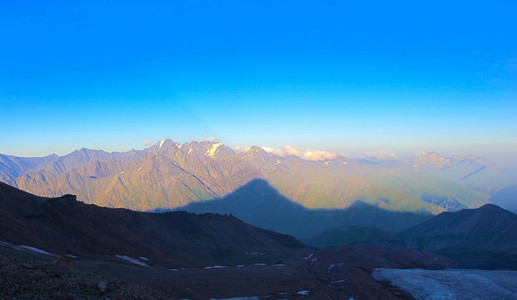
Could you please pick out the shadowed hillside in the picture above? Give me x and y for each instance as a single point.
(487, 236)
(348, 234)
(61, 225)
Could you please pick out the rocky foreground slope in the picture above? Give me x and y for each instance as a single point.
(176, 239)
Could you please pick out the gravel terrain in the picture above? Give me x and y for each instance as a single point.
(24, 278)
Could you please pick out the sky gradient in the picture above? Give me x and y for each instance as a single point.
(340, 76)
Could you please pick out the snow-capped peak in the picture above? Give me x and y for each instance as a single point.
(211, 152)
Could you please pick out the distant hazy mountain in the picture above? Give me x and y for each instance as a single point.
(174, 239)
(506, 198)
(472, 171)
(170, 175)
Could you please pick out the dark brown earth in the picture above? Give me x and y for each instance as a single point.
(26, 276)
(338, 273)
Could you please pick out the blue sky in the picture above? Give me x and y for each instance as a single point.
(341, 76)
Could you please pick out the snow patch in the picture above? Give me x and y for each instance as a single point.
(160, 144)
(304, 293)
(238, 298)
(144, 258)
(337, 281)
(133, 260)
(240, 266)
(211, 152)
(332, 266)
(33, 249)
(26, 248)
(310, 255)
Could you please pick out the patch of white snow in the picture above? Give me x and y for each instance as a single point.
(211, 152)
(33, 249)
(239, 298)
(133, 260)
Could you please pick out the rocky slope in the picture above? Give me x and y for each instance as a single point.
(176, 239)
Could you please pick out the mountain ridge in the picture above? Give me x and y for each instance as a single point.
(168, 175)
(485, 237)
(174, 239)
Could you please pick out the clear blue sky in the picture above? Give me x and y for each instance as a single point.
(342, 76)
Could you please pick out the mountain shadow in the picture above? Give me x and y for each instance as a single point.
(346, 235)
(174, 239)
(261, 205)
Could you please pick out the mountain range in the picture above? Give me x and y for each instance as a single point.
(169, 175)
